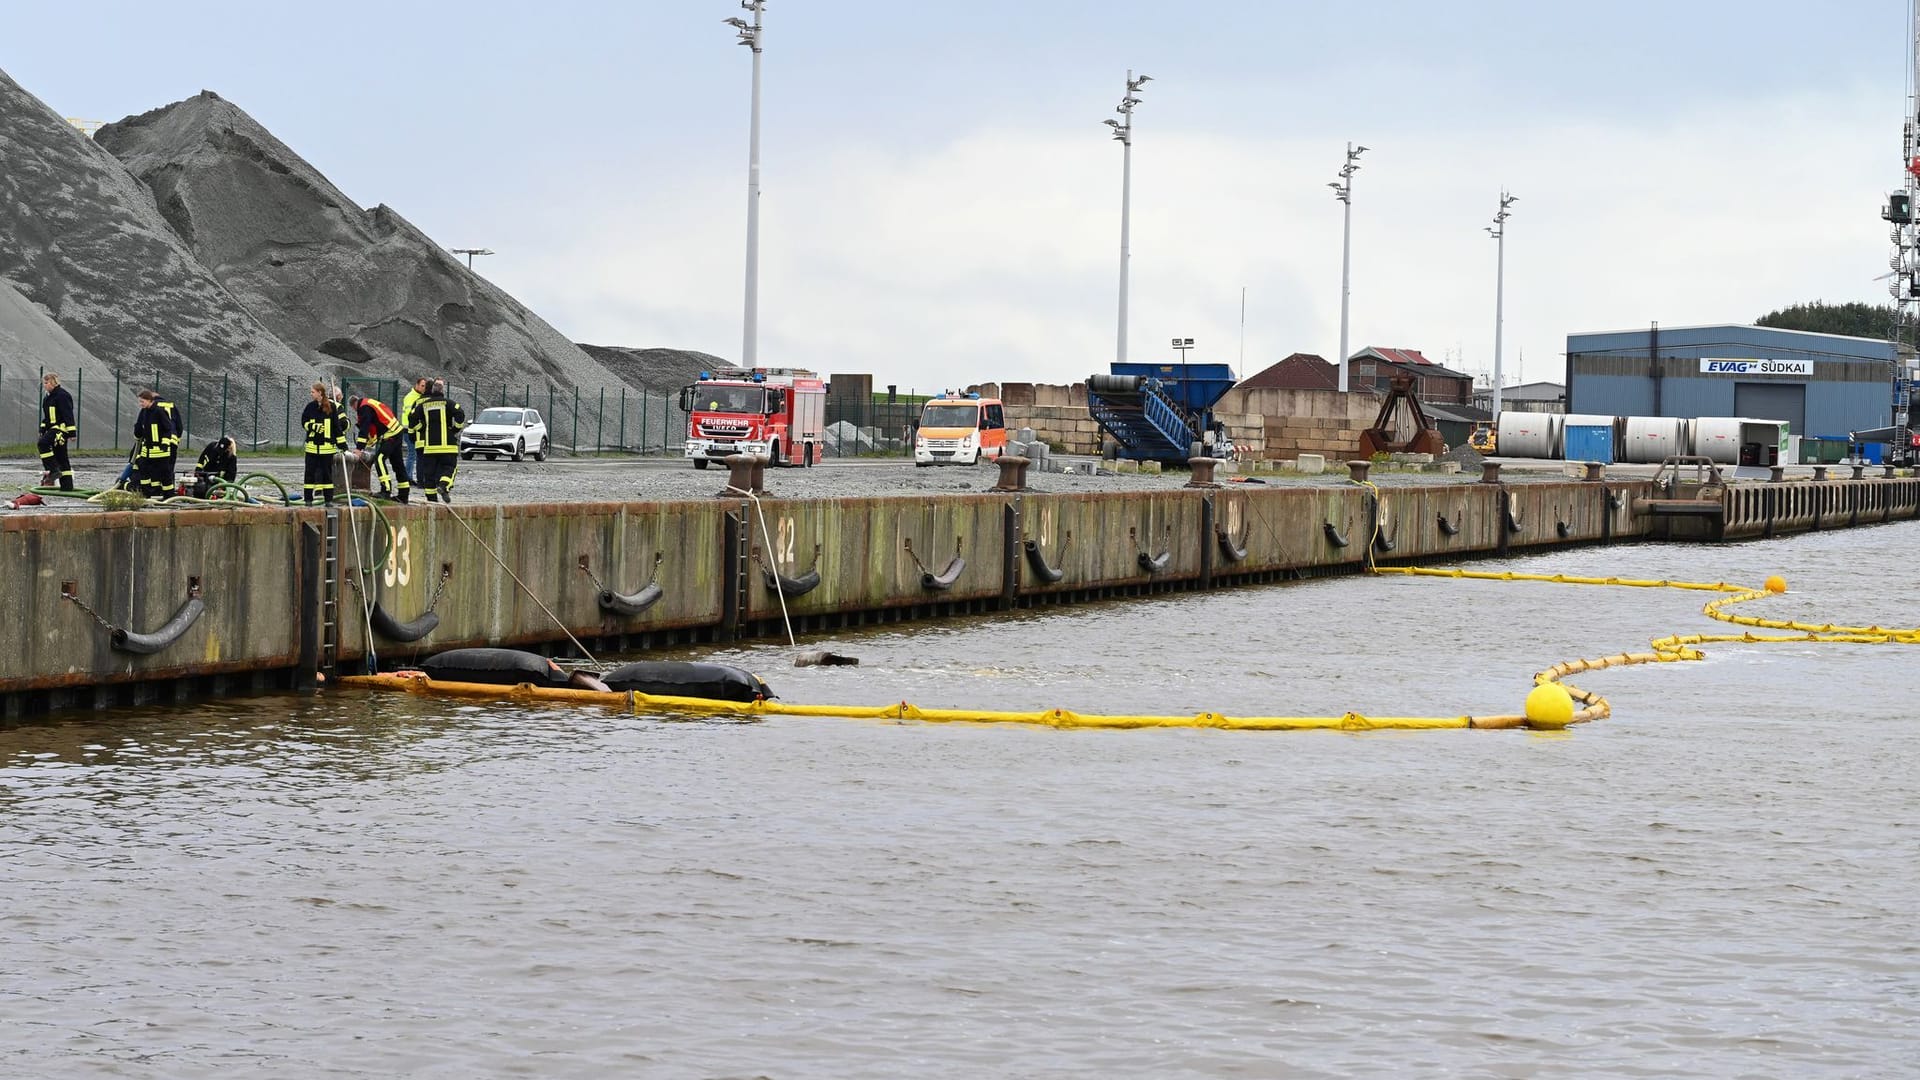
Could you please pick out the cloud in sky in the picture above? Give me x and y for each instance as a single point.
(995, 253)
(941, 205)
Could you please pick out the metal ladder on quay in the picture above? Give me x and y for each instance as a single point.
(330, 593)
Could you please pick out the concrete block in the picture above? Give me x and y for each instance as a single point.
(1149, 466)
(1125, 466)
(1312, 464)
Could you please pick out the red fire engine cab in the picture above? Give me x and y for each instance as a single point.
(778, 412)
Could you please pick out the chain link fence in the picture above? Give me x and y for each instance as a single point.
(264, 413)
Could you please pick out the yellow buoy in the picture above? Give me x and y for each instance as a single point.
(1776, 584)
(1549, 706)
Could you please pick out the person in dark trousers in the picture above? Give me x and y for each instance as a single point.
(326, 427)
(408, 446)
(380, 430)
(217, 462)
(172, 458)
(436, 424)
(57, 430)
(152, 445)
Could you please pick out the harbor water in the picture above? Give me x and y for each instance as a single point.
(1720, 880)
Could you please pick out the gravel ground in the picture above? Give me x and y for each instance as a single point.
(655, 478)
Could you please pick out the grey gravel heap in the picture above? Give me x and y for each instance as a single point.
(353, 290)
(95, 280)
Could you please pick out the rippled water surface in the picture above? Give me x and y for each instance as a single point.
(1719, 881)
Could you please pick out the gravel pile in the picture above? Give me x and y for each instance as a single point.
(352, 290)
(93, 277)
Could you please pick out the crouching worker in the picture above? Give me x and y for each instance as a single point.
(381, 431)
(326, 427)
(436, 424)
(217, 462)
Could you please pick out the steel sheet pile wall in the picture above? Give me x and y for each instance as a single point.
(135, 569)
(543, 545)
(1760, 510)
(844, 561)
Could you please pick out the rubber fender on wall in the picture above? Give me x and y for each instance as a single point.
(1227, 549)
(945, 579)
(393, 630)
(130, 641)
(790, 587)
(634, 604)
(1038, 562)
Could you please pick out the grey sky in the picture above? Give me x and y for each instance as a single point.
(941, 205)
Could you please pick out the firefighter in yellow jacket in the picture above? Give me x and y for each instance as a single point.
(326, 426)
(57, 429)
(436, 424)
(152, 446)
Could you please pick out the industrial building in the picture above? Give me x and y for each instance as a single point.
(1822, 385)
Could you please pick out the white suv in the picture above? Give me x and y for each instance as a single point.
(510, 431)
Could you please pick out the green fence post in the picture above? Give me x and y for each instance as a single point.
(623, 418)
(286, 418)
(576, 418)
(600, 425)
(223, 404)
(253, 432)
(79, 395)
(116, 408)
(186, 414)
(553, 422)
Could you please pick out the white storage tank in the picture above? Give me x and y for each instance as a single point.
(1528, 435)
(1651, 439)
(1718, 437)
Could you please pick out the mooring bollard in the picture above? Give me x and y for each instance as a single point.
(1596, 471)
(1357, 471)
(1777, 474)
(747, 472)
(1888, 474)
(1819, 472)
(1202, 472)
(1489, 472)
(1013, 473)
(1859, 471)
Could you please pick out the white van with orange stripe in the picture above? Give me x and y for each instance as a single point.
(957, 430)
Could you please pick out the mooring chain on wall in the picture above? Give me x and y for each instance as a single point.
(82, 605)
(586, 567)
(907, 542)
(446, 574)
(767, 565)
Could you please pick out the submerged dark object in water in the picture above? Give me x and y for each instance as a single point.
(494, 667)
(674, 678)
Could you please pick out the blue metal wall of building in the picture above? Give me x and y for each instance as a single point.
(1657, 372)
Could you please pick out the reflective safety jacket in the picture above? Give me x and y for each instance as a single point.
(407, 401)
(326, 429)
(377, 421)
(173, 421)
(436, 424)
(153, 432)
(56, 412)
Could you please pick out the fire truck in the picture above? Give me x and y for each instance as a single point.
(778, 412)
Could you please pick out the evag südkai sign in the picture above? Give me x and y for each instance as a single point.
(1756, 367)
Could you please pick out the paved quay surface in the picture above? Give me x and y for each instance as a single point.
(594, 479)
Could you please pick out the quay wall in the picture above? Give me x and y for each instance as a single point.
(532, 576)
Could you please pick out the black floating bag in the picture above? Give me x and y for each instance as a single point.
(494, 667)
(673, 678)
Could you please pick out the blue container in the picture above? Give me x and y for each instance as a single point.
(1193, 386)
(1589, 443)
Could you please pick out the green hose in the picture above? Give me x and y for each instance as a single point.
(63, 493)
